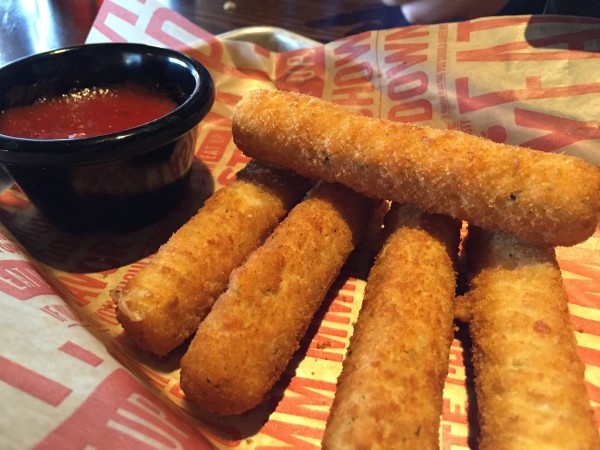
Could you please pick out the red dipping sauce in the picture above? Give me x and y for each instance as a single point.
(86, 112)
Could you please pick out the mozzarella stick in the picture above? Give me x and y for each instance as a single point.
(543, 197)
(529, 380)
(243, 346)
(389, 394)
(163, 304)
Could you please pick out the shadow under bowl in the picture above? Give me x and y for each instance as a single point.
(114, 182)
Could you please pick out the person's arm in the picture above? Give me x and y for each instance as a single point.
(433, 11)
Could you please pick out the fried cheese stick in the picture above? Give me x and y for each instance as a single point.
(529, 380)
(543, 197)
(243, 346)
(389, 394)
(163, 304)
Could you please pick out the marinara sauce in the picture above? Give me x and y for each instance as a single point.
(86, 112)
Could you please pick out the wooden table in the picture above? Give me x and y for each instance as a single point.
(28, 27)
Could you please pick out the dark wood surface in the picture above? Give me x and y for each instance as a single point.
(28, 26)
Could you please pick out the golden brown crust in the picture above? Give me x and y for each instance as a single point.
(546, 198)
(163, 304)
(389, 394)
(462, 307)
(245, 343)
(529, 379)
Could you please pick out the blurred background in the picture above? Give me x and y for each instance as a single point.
(33, 26)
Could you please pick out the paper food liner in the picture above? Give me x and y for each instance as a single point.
(73, 380)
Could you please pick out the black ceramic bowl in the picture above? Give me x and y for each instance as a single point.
(118, 181)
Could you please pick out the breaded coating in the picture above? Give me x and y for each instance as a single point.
(163, 304)
(389, 394)
(243, 346)
(543, 197)
(529, 379)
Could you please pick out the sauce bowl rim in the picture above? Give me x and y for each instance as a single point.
(122, 144)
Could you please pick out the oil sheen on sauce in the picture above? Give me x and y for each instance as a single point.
(86, 112)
